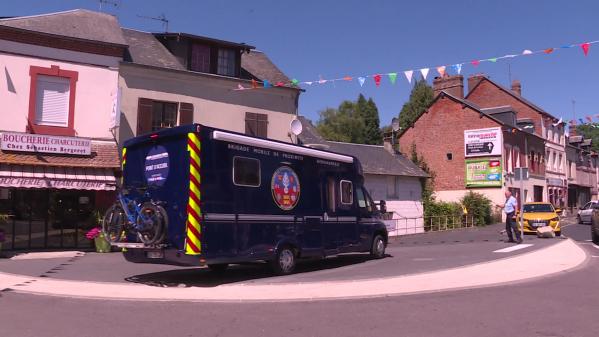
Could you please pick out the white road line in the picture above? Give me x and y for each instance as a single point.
(513, 248)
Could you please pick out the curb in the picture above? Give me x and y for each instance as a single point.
(560, 257)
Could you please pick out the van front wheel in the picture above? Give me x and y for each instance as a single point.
(284, 262)
(377, 251)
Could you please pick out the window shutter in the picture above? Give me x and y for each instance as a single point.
(144, 116)
(250, 124)
(262, 125)
(185, 113)
(52, 101)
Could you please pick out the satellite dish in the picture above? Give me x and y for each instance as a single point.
(395, 124)
(296, 127)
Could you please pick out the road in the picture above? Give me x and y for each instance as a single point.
(563, 305)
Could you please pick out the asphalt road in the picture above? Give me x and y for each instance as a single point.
(563, 305)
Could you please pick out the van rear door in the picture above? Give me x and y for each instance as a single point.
(156, 168)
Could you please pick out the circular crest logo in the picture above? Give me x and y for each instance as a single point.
(285, 188)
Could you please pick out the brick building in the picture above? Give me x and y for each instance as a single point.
(486, 93)
(439, 136)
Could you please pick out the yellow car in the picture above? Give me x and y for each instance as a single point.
(540, 214)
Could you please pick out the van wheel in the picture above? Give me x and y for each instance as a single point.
(284, 262)
(218, 268)
(377, 251)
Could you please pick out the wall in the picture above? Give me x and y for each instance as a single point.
(407, 204)
(215, 102)
(96, 91)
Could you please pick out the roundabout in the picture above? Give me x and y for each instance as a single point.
(415, 265)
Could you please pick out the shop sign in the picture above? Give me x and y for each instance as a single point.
(156, 166)
(555, 182)
(54, 183)
(483, 142)
(483, 172)
(27, 142)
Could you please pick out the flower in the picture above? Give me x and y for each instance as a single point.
(94, 233)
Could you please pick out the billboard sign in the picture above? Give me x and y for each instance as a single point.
(483, 142)
(483, 172)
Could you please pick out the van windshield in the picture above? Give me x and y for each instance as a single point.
(538, 208)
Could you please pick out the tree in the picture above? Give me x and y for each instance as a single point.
(420, 98)
(590, 131)
(353, 122)
(428, 185)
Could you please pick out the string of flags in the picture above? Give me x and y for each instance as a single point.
(409, 74)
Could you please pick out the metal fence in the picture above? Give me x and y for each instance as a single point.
(407, 226)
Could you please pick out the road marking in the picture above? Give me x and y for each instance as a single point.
(47, 255)
(513, 248)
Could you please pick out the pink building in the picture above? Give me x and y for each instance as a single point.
(58, 154)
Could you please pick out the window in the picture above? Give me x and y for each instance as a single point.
(554, 161)
(449, 156)
(200, 58)
(164, 115)
(256, 124)
(246, 172)
(392, 187)
(52, 100)
(226, 62)
(347, 192)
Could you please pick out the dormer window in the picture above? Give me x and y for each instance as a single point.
(200, 58)
(226, 62)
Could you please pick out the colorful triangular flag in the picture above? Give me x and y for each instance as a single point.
(441, 70)
(254, 84)
(494, 59)
(457, 68)
(240, 87)
(294, 82)
(347, 78)
(475, 62)
(409, 74)
(548, 51)
(585, 48)
(266, 83)
(527, 52)
(361, 80)
(377, 80)
(392, 77)
(589, 118)
(424, 72)
(581, 121)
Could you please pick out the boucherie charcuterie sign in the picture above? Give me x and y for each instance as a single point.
(27, 142)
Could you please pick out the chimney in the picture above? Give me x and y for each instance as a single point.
(517, 87)
(474, 79)
(453, 85)
(388, 142)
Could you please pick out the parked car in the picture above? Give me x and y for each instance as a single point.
(540, 214)
(585, 212)
(595, 224)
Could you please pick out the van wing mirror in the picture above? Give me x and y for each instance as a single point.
(559, 211)
(383, 206)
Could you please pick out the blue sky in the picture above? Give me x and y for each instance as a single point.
(308, 39)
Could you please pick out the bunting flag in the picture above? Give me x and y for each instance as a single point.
(457, 68)
(581, 121)
(377, 80)
(409, 74)
(590, 119)
(240, 87)
(585, 48)
(441, 70)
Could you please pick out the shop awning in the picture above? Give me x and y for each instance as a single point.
(74, 178)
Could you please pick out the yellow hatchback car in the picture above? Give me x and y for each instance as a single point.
(540, 214)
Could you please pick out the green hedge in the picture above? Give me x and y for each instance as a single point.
(479, 207)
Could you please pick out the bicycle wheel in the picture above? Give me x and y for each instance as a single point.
(153, 222)
(113, 223)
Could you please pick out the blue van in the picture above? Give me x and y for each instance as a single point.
(196, 195)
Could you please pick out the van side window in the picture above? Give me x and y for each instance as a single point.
(347, 192)
(246, 172)
(361, 198)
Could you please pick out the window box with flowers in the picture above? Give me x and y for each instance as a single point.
(100, 242)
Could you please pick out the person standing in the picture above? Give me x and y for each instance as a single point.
(509, 207)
